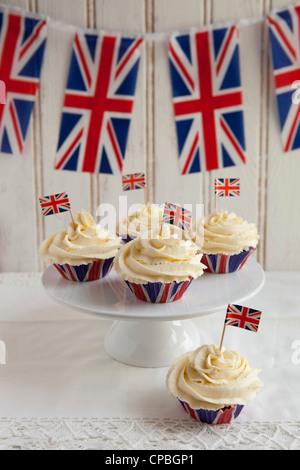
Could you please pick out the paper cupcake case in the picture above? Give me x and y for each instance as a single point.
(223, 264)
(221, 416)
(85, 272)
(158, 292)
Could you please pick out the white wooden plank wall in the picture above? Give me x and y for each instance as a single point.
(269, 195)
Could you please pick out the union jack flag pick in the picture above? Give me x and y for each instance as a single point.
(22, 46)
(177, 215)
(55, 204)
(284, 29)
(98, 103)
(207, 99)
(133, 181)
(242, 317)
(227, 187)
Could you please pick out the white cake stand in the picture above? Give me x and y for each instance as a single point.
(153, 335)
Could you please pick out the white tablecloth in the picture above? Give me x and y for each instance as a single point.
(60, 389)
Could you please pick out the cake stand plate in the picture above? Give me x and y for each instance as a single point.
(153, 335)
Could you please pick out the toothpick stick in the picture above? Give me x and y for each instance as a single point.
(222, 338)
(216, 203)
(146, 195)
(161, 227)
(72, 217)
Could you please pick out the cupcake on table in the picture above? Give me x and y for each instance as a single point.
(85, 251)
(213, 385)
(159, 268)
(227, 241)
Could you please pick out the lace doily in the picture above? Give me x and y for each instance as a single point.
(144, 434)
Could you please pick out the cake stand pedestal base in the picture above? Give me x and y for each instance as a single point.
(150, 343)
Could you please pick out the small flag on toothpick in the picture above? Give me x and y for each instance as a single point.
(225, 187)
(242, 317)
(135, 181)
(55, 204)
(177, 215)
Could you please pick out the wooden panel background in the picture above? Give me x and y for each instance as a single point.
(269, 195)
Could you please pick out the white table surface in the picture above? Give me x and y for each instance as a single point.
(60, 390)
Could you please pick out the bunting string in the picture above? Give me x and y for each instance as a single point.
(148, 36)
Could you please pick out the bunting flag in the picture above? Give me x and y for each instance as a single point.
(177, 215)
(207, 99)
(98, 103)
(133, 181)
(22, 46)
(242, 317)
(225, 187)
(55, 204)
(284, 28)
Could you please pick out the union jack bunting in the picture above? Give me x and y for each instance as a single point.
(227, 187)
(22, 45)
(207, 99)
(133, 181)
(55, 203)
(177, 215)
(242, 317)
(98, 103)
(284, 32)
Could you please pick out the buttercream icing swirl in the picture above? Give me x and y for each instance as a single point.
(211, 379)
(225, 233)
(81, 243)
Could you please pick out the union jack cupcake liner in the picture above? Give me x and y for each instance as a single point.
(223, 264)
(158, 292)
(221, 416)
(85, 272)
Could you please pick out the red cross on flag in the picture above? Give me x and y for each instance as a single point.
(22, 46)
(133, 181)
(242, 317)
(207, 99)
(227, 187)
(177, 215)
(55, 204)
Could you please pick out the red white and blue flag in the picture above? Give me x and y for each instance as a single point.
(284, 28)
(133, 181)
(207, 99)
(98, 103)
(242, 317)
(55, 204)
(177, 215)
(225, 187)
(22, 46)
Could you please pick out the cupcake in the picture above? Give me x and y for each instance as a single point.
(84, 252)
(145, 219)
(213, 386)
(159, 269)
(227, 241)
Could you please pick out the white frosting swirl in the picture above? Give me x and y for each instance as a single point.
(138, 224)
(80, 244)
(226, 234)
(211, 379)
(164, 258)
